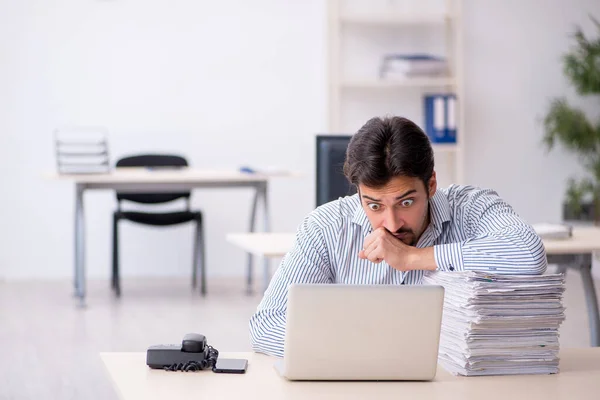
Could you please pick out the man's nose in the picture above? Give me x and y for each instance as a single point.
(392, 221)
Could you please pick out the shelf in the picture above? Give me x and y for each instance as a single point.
(359, 35)
(409, 82)
(394, 19)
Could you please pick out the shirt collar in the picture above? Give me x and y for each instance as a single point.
(439, 209)
(360, 217)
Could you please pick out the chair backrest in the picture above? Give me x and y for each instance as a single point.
(152, 161)
(331, 182)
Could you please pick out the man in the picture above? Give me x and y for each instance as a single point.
(398, 225)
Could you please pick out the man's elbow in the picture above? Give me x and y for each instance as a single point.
(539, 262)
(260, 340)
(255, 335)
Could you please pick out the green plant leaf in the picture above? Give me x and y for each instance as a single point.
(570, 127)
(579, 192)
(582, 63)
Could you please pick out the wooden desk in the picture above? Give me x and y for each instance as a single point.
(139, 180)
(263, 244)
(578, 379)
(575, 252)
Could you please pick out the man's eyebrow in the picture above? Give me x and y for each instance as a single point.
(406, 194)
(397, 198)
(371, 198)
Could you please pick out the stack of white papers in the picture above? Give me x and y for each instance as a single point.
(499, 324)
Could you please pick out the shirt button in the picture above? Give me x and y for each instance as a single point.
(451, 268)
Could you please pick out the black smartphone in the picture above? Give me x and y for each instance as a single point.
(230, 366)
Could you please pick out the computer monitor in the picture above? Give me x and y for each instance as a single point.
(331, 182)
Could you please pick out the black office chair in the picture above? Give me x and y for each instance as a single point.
(158, 219)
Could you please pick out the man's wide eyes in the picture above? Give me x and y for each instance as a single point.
(403, 203)
(407, 202)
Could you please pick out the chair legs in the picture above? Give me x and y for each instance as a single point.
(116, 284)
(199, 262)
(199, 257)
(196, 257)
(203, 262)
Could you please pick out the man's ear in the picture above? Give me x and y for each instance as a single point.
(432, 185)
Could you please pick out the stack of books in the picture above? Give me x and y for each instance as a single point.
(500, 324)
(402, 66)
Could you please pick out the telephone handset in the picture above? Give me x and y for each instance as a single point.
(193, 343)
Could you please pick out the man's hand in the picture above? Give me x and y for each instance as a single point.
(382, 245)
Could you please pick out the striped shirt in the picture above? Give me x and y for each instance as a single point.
(470, 229)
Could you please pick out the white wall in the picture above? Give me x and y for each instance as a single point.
(227, 83)
(216, 80)
(513, 68)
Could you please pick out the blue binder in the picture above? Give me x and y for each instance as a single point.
(440, 118)
(451, 115)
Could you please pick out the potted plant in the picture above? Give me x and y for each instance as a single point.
(570, 127)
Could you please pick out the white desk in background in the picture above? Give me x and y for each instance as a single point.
(263, 244)
(578, 379)
(575, 252)
(140, 180)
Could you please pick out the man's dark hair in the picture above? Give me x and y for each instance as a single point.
(385, 148)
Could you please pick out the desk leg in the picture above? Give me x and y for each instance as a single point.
(79, 246)
(252, 228)
(592, 303)
(267, 228)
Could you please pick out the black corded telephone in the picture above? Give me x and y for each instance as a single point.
(192, 355)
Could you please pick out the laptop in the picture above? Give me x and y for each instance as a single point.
(362, 332)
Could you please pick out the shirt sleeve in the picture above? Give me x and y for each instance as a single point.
(307, 262)
(498, 240)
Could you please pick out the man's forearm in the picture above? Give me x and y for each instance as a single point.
(422, 259)
(512, 251)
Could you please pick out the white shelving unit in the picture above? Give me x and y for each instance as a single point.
(360, 33)
(382, 18)
(413, 82)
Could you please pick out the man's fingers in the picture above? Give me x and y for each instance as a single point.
(371, 237)
(368, 240)
(372, 247)
(367, 249)
(374, 255)
(375, 259)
